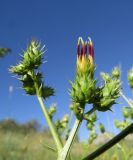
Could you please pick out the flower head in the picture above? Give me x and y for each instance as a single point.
(84, 85)
(85, 56)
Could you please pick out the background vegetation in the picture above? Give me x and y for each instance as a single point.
(28, 142)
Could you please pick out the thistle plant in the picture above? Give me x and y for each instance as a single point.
(29, 74)
(84, 90)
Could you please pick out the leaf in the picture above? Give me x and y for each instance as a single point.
(47, 92)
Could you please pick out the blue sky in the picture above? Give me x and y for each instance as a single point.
(58, 24)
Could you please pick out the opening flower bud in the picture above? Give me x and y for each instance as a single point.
(84, 86)
(85, 56)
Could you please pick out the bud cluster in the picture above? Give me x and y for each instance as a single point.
(84, 89)
(107, 94)
(61, 124)
(92, 136)
(29, 75)
(91, 126)
(128, 117)
(121, 124)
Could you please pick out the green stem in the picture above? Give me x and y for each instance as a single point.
(119, 146)
(51, 125)
(126, 99)
(110, 143)
(65, 152)
(53, 129)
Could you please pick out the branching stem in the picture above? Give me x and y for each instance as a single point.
(65, 152)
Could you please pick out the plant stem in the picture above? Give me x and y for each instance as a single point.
(65, 152)
(119, 147)
(126, 99)
(67, 131)
(110, 143)
(53, 129)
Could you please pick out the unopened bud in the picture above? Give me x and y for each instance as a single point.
(65, 119)
(116, 72)
(93, 117)
(102, 128)
(52, 109)
(105, 76)
(90, 126)
(125, 112)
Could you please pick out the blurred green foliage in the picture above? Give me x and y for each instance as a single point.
(10, 125)
(28, 142)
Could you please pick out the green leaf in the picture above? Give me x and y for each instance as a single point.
(47, 92)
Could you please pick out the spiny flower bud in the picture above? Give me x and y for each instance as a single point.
(28, 84)
(107, 94)
(105, 76)
(52, 110)
(130, 78)
(28, 74)
(31, 59)
(19, 69)
(125, 112)
(116, 72)
(33, 56)
(61, 124)
(90, 126)
(65, 119)
(83, 88)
